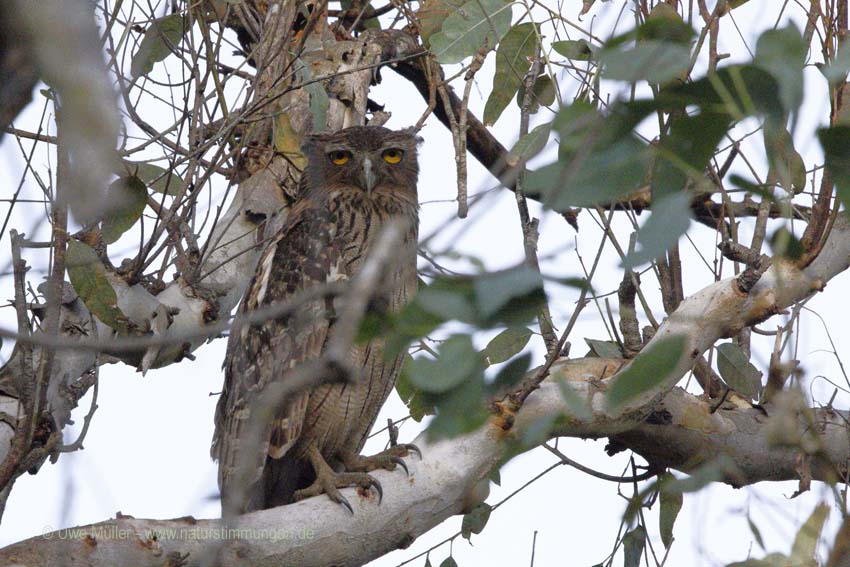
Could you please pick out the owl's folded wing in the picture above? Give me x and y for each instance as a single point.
(251, 422)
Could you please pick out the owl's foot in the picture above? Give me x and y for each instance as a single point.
(329, 482)
(388, 459)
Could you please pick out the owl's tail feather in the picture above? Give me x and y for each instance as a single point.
(281, 478)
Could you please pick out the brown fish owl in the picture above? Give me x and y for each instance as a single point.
(355, 181)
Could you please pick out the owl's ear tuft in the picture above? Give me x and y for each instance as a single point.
(311, 141)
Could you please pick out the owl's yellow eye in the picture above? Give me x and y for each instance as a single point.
(392, 155)
(340, 157)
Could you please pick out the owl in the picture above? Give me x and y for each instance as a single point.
(355, 181)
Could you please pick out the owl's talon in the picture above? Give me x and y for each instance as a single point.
(377, 486)
(400, 462)
(413, 449)
(344, 501)
(329, 482)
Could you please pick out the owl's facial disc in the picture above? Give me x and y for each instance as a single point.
(367, 176)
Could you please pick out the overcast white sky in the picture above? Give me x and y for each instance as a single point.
(147, 453)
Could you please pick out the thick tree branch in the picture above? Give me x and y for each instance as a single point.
(450, 479)
(685, 435)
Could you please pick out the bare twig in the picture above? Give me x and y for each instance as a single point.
(530, 226)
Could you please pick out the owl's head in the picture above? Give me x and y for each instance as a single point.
(368, 158)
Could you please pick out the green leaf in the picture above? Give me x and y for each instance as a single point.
(413, 322)
(128, 197)
(653, 61)
(782, 53)
(416, 400)
(475, 25)
(512, 63)
(603, 349)
(671, 504)
(747, 185)
(665, 24)
(670, 219)
(509, 297)
(157, 178)
(456, 362)
(161, 38)
(652, 367)
(785, 244)
(420, 406)
(686, 151)
(474, 522)
(737, 371)
(735, 90)
(786, 164)
(543, 93)
(403, 386)
(495, 290)
(715, 470)
(495, 476)
(836, 72)
(506, 344)
(511, 374)
(578, 125)
(459, 411)
(590, 143)
(375, 323)
(803, 552)
(771, 560)
(449, 562)
(577, 49)
(755, 531)
(836, 149)
(432, 15)
(529, 145)
(586, 5)
(372, 23)
(88, 276)
(540, 430)
(578, 405)
(447, 304)
(633, 543)
(576, 180)
(578, 283)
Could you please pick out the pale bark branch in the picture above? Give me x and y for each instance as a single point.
(451, 478)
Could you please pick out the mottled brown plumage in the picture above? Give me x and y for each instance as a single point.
(355, 181)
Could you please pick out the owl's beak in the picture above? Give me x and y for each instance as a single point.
(368, 178)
